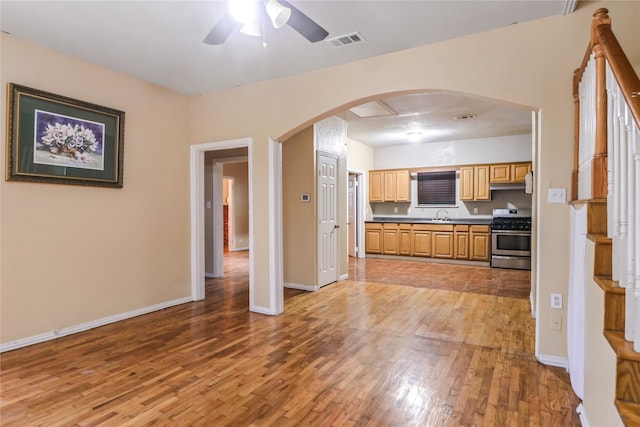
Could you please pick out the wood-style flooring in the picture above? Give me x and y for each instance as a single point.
(355, 353)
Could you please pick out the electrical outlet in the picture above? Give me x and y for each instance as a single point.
(475, 210)
(395, 209)
(556, 300)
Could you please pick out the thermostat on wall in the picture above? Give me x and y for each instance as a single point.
(305, 197)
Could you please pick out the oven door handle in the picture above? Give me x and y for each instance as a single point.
(512, 232)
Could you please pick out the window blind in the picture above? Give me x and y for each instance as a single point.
(437, 188)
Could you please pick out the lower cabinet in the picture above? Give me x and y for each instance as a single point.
(446, 241)
(479, 243)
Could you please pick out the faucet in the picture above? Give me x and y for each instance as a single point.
(444, 218)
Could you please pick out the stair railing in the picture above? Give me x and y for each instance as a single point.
(607, 155)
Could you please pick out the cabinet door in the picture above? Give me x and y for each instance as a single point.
(519, 171)
(421, 243)
(373, 238)
(390, 239)
(376, 186)
(479, 242)
(466, 183)
(404, 241)
(442, 244)
(389, 186)
(403, 186)
(461, 245)
(500, 173)
(481, 189)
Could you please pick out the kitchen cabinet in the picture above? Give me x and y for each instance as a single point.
(479, 243)
(509, 172)
(474, 183)
(390, 239)
(442, 241)
(461, 241)
(373, 238)
(404, 239)
(421, 240)
(390, 186)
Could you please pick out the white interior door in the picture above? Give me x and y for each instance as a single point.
(352, 221)
(327, 220)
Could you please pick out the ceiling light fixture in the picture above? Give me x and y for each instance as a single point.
(278, 13)
(243, 11)
(251, 28)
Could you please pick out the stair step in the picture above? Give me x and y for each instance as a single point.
(629, 412)
(597, 216)
(623, 348)
(600, 238)
(627, 368)
(609, 285)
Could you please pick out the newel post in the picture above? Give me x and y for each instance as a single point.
(599, 163)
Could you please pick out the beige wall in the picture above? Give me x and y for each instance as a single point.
(360, 159)
(529, 64)
(143, 230)
(239, 171)
(299, 218)
(72, 254)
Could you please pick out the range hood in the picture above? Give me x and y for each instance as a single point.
(507, 186)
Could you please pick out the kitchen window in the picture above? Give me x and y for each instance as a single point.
(437, 188)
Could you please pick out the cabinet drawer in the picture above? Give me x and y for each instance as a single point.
(461, 227)
(479, 228)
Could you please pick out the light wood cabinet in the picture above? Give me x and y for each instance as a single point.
(442, 244)
(461, 241)
(474, 183)
(500, 173)
(403, 186)
(376, 186)
(509, 172)
(420, 240)
(373, 238)
(390, 186)
(390, 239)
(479, 243)
(447, 241)
(519, 171)
(404, 239)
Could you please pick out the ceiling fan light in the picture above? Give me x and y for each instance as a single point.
(243, 11)
(278, 13)
(251, 28)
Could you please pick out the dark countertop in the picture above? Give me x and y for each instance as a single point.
(405, 220)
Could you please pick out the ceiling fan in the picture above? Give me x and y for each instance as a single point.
(248, 15)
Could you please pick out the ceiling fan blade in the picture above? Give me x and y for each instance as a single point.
(221, 31)
(304, 25)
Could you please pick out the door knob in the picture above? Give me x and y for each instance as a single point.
(336, 226)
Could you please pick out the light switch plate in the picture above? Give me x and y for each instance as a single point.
(557, 195)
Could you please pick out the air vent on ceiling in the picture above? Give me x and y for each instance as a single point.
(465, 117)
(346, 39)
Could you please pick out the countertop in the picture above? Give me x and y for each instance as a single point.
(405, 220)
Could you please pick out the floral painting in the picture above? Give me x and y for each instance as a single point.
(67, 141)
(55, 139)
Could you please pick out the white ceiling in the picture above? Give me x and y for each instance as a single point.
(161, 42)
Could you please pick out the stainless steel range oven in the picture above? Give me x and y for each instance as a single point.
(511, 239)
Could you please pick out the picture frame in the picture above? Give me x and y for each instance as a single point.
(56, 139)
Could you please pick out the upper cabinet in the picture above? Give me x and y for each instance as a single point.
(509, 172)
(474, 183)
(390, 186)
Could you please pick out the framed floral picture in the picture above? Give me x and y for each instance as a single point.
(55, 139)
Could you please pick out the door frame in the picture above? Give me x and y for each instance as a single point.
(360, 208)
(197, 203)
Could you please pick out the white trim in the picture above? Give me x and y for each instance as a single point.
(197, 213)
(210, 276)
(276, 275)
(583, 417)
(300, 287)
(361, 209)
(557, 361)
(262, 310)
(218, 220)
(23, 342)
(343, 277)
(238, 249)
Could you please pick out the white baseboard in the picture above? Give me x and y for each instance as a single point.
(344, 277)
(583, 416)
(300, 287)
(560, 362)
(239, 248)
(262, 310)
(23, 342)
(211, 276)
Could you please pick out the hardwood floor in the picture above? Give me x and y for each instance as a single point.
(355, 353)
